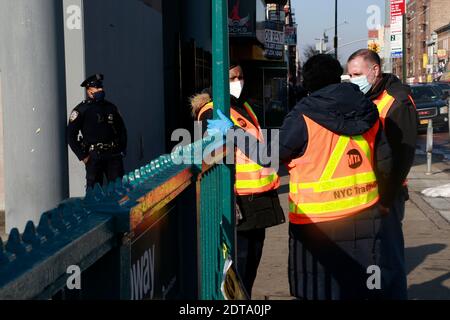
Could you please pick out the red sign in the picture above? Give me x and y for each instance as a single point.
(397, 8)
(373, 34)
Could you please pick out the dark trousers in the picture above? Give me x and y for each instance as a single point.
(103, 164)
(330, 260)
(249, 251)
(392, 253)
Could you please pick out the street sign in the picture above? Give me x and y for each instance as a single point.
(396, 37)
(241, 18)
(442, 54)
(290, 35)
(274, 40)
(397, 7)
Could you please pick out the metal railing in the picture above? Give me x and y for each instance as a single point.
(142, 225)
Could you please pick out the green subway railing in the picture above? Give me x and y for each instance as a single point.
(166, 214)
(217, 210)
(215, 229)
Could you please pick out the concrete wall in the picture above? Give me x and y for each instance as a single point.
(34, 113)
(75, 72)
(123, 40)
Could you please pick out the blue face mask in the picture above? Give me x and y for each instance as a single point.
(362, 82)
(99, 95)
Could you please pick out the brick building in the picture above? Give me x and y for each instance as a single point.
(423, 18)
(441, 65)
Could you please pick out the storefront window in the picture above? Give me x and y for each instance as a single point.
(266, 90)
(275, 97)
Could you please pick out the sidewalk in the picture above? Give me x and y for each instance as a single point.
(427, 240)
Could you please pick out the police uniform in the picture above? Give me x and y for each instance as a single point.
(104, 136)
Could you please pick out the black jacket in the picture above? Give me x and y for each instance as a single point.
(99, 122)
(401, 126)
(342, 109)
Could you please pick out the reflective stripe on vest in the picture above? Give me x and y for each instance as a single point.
(250, 177)
(384, 103)
(334, 181)
(203, 109)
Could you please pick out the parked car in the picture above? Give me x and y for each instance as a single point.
(445, 86)
(443, 94)
(430, 104)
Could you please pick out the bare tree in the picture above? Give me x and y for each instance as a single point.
(309, 51)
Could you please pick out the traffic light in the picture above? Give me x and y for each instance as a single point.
(374, 47)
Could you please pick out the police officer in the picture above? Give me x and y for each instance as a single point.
(104, 137)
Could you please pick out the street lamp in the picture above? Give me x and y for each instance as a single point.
(347, 44)
(324, 39)
(335, 30)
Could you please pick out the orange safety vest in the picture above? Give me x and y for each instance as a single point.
(334, 178)
(384, 103)
(251, 178)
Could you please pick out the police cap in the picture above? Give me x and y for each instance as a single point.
(95, 81)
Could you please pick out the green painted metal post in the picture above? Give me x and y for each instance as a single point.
(220, 57)
(221, 98)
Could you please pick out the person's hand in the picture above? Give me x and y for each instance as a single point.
(85, 160)
(222, 125)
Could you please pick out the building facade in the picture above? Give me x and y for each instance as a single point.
(424, 17)
(441, 58)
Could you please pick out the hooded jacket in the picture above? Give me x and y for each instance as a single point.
(344, 110)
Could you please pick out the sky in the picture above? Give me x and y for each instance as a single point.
(313, 16)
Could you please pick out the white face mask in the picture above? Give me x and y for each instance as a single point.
(362, 82)
(236, 88)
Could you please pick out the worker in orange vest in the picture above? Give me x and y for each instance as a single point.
(338, 160)
(256, 186)
(399, 117)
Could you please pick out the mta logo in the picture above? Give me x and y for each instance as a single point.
(354, 159)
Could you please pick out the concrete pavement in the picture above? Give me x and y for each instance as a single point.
(426, 229)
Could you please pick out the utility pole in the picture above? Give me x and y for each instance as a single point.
(404, 47)
(335, 30)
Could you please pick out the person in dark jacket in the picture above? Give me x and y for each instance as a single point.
(104, 136)
(256, 210)
(330, 259)
(398, 113)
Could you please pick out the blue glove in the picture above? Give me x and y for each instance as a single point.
(221, 125)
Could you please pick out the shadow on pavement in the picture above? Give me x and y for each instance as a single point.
(430, 290)
(416, 255)
(433, 289)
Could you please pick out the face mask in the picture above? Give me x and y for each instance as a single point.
(362, 83)
(236, 88)
(99, 95)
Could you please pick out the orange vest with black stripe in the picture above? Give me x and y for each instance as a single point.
(251, 178)
(384, 103)
(334, 178)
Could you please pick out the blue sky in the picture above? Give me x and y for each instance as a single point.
(313, 16)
